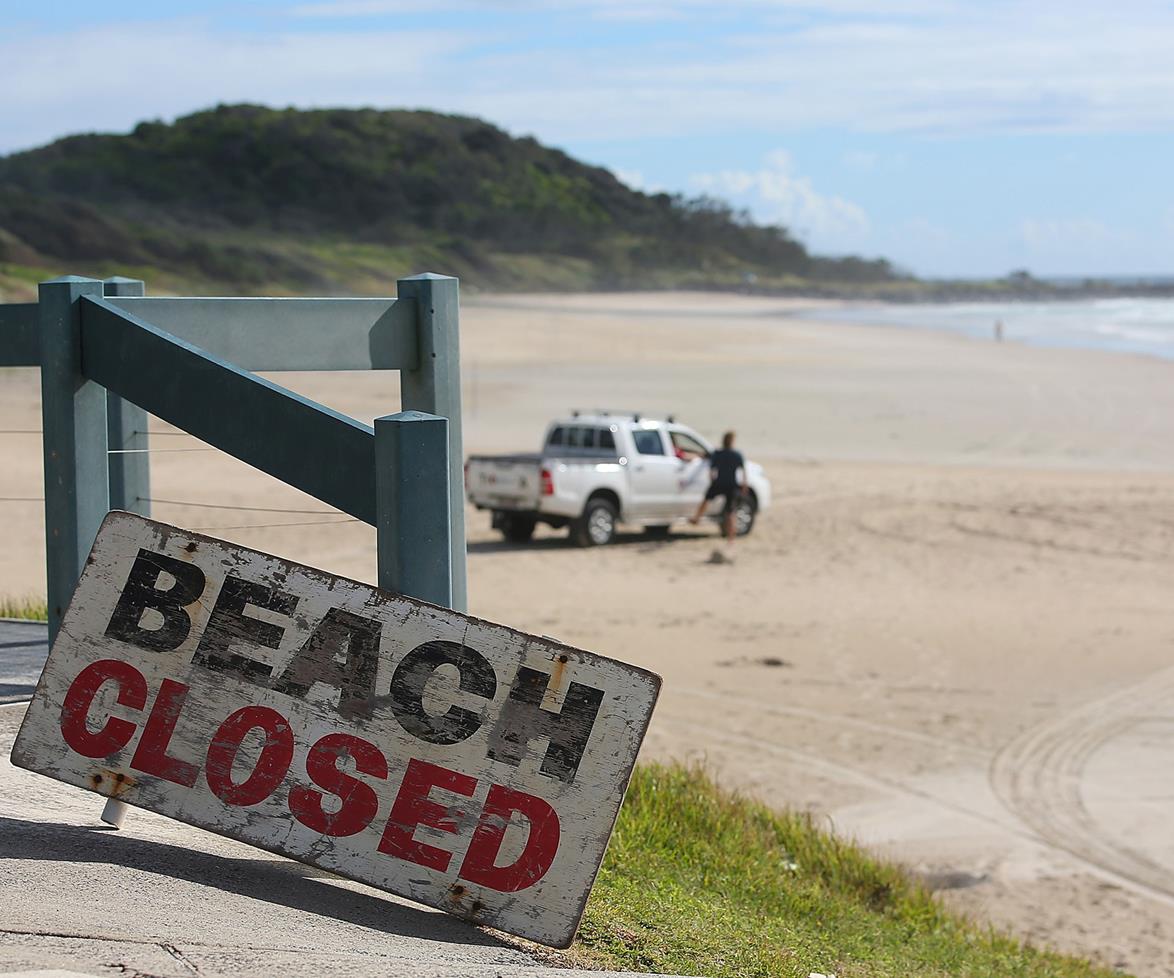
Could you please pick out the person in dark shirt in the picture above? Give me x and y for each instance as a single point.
(724, 466)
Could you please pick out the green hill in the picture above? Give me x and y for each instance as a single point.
(255, 199)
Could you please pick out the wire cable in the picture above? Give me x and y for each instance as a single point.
(238, 509)
(153, 451)
(270, 526)
(244, 509)
(152, 434)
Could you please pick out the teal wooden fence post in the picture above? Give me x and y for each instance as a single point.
(434, 387)
(412, 505)
(73, 419)
(126, 432)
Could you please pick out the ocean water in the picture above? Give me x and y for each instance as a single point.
(1128, 325)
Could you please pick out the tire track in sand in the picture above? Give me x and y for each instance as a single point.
(1038, 777)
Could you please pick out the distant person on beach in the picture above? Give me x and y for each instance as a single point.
(998, 331)
(724, 467)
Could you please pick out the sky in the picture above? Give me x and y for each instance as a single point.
(955, 139)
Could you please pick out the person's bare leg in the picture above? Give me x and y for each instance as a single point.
(696, 517)
(730, 527)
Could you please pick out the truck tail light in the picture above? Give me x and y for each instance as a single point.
(547, 483)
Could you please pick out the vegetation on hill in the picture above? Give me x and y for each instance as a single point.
(700, 882)
(287, 200)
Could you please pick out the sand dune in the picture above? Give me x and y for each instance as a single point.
(951, 635)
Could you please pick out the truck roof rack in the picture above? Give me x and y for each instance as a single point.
(609, 413)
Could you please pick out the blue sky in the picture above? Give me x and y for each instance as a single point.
(953, 138)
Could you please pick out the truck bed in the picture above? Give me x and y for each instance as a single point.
(565, 455)
(514, 483)
(521, 457)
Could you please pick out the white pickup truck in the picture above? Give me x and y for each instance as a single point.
(597, 470)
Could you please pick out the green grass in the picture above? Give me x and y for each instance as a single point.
(34, 608)
(698, 881)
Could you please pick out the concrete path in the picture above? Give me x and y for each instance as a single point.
(23, 648)
(160, 898)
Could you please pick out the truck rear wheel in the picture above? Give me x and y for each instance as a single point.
(515, 528)
(745, 510)
(597, 526)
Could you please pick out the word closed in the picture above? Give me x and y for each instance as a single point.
(458, 763)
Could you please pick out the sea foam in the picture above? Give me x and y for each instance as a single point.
(1133, 325)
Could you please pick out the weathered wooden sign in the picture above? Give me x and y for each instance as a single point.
(459, 763)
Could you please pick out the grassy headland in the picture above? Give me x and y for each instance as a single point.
(286, 201)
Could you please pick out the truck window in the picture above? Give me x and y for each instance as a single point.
(686, 447)
(648, 441)
(581, 437)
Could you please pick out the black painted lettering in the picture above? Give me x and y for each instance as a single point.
(412, 675)
(229, 626)
(343, 652)
(165, 586)
(523, 719)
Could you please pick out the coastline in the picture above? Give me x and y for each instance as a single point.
(1117, 325)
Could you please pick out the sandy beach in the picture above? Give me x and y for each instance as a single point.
(951, 636)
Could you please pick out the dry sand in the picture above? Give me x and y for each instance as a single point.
(951, 635)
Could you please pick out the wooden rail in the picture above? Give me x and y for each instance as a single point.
(311, 447)
(109, 355)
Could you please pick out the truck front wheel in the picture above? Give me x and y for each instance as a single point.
(516, 528)
(597, 526)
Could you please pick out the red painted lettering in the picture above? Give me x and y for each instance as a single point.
(151, 756)
(541, 844)
(116, 733)
(271, 766)
(412, 807)
(359, 801)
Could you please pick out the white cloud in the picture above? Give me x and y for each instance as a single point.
(776, 194)
(634, 179)
(939, 66)
(111, 78)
